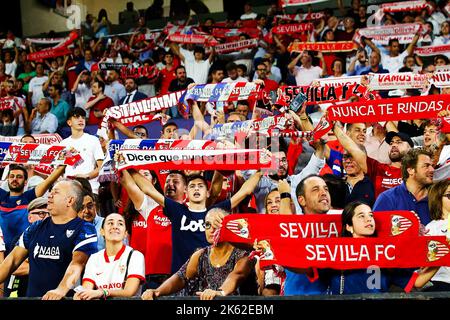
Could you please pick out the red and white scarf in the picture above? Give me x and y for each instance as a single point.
(408, 108)
(338, 46)
(292, 28)
(381, 35)
(236, 46)
(429, 51)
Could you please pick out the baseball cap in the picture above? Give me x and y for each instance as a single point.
(38, 203)
(405, 137)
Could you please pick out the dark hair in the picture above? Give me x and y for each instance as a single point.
(9, 113)
(141, 127)
(337, 189)
(196, 176)
(261, 15)
(338, 60)
(101, 84)
(347, 216)
(243, 103)
(441, 56)
(169, 123)
(20, 167)
(28, 136)
(410, 160)
(391, 41)
(179, 67)
(85, 184)
(300, 190)
(181, 173)
(435, 194)
(76, 112)
(103, 222)
(231, 66)
(131, 78)
(57, 87)
(102, 14)
(243, 67)
(199, 50)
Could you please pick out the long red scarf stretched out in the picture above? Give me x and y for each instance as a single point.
(339, 46)
(246, 228)
(409, 108)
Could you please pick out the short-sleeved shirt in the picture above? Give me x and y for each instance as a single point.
(197, 70)
(50, 250)
(383, 176)
(393, 64)
(304, 77)
(35, 87)
(108, 272)
(188, 231)
(14, 215)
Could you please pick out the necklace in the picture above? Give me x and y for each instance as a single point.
(219, 261)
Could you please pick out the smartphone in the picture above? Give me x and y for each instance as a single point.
(297, 102)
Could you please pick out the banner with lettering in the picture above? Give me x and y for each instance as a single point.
(356, 253)
(441, 79)
(222, 92)
(43, 138)
(33, 153)
(246, 228)
(139, 112)
(406, 6)
(381, 35)
(408, 108)
(402, 80)
(192, 39)
(292, 28)
(299, 17)
(236, 46)
(294, 3)
(429, 51)
(150, 72)
(218, 159)
(324, 90)
(60, 49)
(338, 46)
(232, 34)
(445, 124)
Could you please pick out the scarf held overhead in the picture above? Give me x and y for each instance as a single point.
(409, 108)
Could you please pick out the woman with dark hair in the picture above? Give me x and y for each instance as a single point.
(439, 204)
(358, 222)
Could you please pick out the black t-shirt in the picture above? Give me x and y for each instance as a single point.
(175, 85)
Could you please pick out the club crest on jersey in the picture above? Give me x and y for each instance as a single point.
(239, 227)
(19, 202)
(399, 224)
(122, 268)
(69, 233)
(436, 250)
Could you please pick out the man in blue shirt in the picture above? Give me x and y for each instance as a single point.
(188, 231)
(57, 247)
(412, 194)
(13, 204)
(60, 108)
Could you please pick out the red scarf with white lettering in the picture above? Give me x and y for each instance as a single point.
(292, 28)
(236, 46)
(402, 80)
(294, 3)
(139, 112)
(356, 253)
(60, 49)
(445, 125)
(192, 39)
(233, 34)
(338, 46)
(321, 94)
(246, 228)
(150, 72)
(299, 17)
(432, 50)
(408, 108)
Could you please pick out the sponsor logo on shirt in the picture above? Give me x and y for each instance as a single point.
(140, 224)
(193, 225)
(161, 221)
(46, 252)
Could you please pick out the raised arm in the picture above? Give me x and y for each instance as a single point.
(176, 49)
(351, 146)
(371, 45)
(410, 47)
(146, 187)
(42, 187)
(134, 192)
(246, 189)
(215, 189)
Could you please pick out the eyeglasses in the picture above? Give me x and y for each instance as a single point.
(447, 195)
(260, 69)
(41, 214)
(207, 225)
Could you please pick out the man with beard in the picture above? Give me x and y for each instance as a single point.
(384, 176)
(114, 89)
(270, 182)
(417, 172)
(133, 94)
(13, 204)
